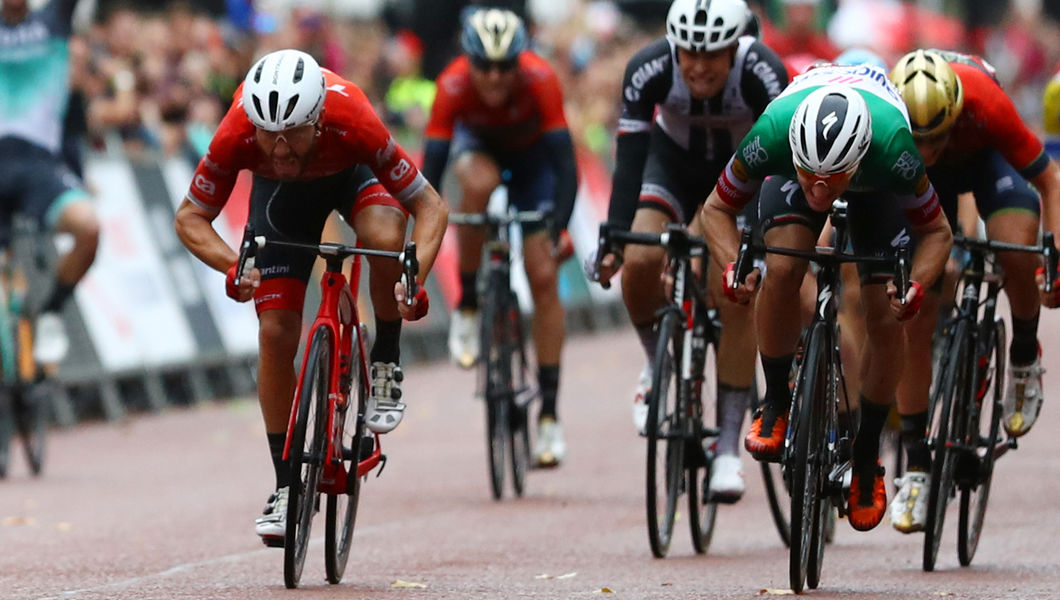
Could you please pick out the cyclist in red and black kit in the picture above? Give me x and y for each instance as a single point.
(973, 140)
(688, 98)
(314, 145)
(499, 113)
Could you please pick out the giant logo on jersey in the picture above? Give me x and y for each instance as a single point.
(765, 73)
(642, 75)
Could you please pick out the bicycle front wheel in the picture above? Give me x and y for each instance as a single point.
(665, 471)
(947, 392)
(308, 443)
(702, 513)
(805, 462)
(984, 433)
(523, 388)
(32, 414)
(341, 509)
(7, 428)
(495, 366)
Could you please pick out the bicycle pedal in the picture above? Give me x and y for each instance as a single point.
(273, 541)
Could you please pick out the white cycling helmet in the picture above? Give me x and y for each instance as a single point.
(830, 131)
(706, 25)
(284, 89)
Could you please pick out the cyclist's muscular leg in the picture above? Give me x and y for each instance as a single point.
(735, 364)
(478, 175)
(642, 288)
(278, 333)
(548, 321)
(1018, 227)
(79, 220)
(382, 228)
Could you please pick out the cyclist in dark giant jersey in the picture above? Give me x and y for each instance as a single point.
(834, 131)
(499, 112)
(973, 140)
(687, 99)
(34, 181)
(313, 144)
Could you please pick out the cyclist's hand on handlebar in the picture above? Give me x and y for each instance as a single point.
(608, 266)
(420, 302)
(248, 284)
(913, 299)
(745, 291)
(1049, 299)
(563, 248)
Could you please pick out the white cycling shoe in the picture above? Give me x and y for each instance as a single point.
(726, 479)
(50, 343)
(640, 400)
(550, 448)
(1023, 397)
(385, 408)
(272, 524)
(463, 337)
(910, 504)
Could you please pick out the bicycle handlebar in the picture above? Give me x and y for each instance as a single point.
(331, 250)
(485, 218)
(675, 239)
(1047, 249)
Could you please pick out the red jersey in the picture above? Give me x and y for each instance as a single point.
(989, 120)
(350, 134)
(534, 107)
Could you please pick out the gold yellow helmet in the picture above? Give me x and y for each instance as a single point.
(932, 92)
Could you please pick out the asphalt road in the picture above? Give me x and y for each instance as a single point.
(162, 506)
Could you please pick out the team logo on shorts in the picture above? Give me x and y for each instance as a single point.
(754, 154)
(906, 165)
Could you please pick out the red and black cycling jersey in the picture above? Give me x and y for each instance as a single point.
(350, 134)
(654, 94)
(989, 120)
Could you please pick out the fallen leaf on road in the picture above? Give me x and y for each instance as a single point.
(603, 591)
(567, 575)
(945, 594)
(408, 584)
(543, 576)
(776, 592)
(16, 521)
(64, 526)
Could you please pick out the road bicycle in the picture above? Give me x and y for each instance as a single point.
(328, 445)
(817, 448)
(26, 389)
(507, 377)
(964, 429)
(680, 449)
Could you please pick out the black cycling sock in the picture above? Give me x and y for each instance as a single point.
(1024, 347)
(867, 443)
(387, 346)
(61, 292)
(548, 379)
(732, 406)
(468, 293)
(283, 470)
(914, 442)
(649, 338)
(777, 371)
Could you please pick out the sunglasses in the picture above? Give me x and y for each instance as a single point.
(485, 65)
(831, 180)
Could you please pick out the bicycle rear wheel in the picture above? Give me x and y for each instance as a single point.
(308, 443)
(523, 388)
(806, 441)
(7, 429)
(984, 434)
(946, 392)
(341, 509)
(665, 469)
(496, 385)
(32, 414)
(702, 513)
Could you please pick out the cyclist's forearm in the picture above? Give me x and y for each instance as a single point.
(431, 216)
(561, 149)
(933, 250)
(718, 224)
(196, 232)
(1048, 183)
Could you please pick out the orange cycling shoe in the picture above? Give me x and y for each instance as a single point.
(868, 512)
(766, 448)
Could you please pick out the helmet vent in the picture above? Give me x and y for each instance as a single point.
(257, 107)
(299, 68)
(290, 107)
(274, 105)
(257, 72)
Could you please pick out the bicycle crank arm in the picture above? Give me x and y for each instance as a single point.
(1002, 447)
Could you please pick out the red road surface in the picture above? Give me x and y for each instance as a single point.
(162, 505)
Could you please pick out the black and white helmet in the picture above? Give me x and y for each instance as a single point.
(284, 89)
(706, 25)
(830, 131)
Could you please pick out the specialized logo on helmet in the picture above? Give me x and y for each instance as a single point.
(500, 33)
(829, 120)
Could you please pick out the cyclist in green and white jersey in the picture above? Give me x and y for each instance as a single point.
(836, 130)
(34, 180)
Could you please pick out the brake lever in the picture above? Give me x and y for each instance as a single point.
(744, 261)
(901, 272)
(411, 267)
(248, 250)
(1051, 258)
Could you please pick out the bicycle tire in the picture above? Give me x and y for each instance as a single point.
(986, 431)
(523, 386)
(496, 389)
(308, 443)
(804, 480)
(942, 462)
(32, 415)
(665, 469)
(7, 429)
(823, 422)
(341, 509)
(702, 514)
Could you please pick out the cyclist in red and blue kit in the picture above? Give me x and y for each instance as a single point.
(498, 113)
(314, 145)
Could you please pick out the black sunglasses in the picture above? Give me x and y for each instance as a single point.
(485, 65)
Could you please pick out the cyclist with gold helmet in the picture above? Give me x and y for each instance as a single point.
(817, 141)
(973, 140)
(498, 114)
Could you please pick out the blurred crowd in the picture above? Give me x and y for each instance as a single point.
(152, 77)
